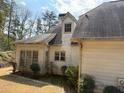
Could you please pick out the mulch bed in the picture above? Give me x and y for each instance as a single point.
(24, 74)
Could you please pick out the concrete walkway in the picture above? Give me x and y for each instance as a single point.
(16, 84)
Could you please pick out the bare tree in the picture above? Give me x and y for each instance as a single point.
(39, 25)
(25, 15)
(32, 26)
(49, 18)
(21, 23)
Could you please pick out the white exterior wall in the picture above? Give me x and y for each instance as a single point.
(72, 57)
(72, 52)
(66, 36)
(104, 60)
(41, 53)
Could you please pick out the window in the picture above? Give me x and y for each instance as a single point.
(68, 27)
(35, 56)
(56, 56)
(22, 58)
(62, 56)
(59, 56)
(28, 57)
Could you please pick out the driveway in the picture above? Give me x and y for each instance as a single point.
(15, 84)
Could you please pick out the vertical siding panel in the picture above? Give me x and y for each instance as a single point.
(104, 60)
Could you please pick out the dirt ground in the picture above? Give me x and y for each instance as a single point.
(15, 84)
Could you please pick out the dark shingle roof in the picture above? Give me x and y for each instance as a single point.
(58, 31)
(105, 21)
(53, 36)
(46, 38)
(60, 15)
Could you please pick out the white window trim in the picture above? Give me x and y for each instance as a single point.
(59, 56)
(71, 27)
(25, 63)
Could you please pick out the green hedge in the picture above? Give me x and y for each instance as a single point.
(72, 76)
(111, 89)
(87, 84)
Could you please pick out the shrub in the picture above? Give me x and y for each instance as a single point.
(63, 69)
(72, 76)
(87, 84)
(35, 68)
(111, 89)
(13, 65)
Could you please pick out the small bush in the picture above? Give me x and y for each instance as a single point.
(14, 65)
(111, 89)
(63, 69)
(72, 76)
(35, 68)
(87, 84)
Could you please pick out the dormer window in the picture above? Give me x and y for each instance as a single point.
(68, 27)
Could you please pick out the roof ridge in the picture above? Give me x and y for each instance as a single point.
(115, 1)
(92, 9)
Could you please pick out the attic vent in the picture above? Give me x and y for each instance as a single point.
(87, 16)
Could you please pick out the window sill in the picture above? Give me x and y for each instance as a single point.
(67, 32)
(59, 61)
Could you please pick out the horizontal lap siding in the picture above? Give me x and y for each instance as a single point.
(104, 60)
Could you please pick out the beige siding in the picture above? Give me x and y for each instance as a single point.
(104, 60)
(41, 53)
(72, 57)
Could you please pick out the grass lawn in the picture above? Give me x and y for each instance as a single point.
(10, 83)
(56, 80)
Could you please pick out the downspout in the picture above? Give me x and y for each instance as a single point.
(80, 65)
(47, 51)
(48, 62)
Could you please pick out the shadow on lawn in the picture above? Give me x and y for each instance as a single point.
(21, 80)
(58, 80)
(51, 79)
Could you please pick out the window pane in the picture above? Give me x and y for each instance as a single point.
(35, 57)
(28, 57)
(22, 58)
(62, 56)
(67, 27)
(56, 56)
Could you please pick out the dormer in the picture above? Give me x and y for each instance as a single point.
(68, 23)
(67, 20)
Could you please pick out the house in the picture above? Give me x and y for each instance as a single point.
(95, 42)
(101, 35)
(53, 48)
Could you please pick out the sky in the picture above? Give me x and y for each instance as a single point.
(75, 7)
